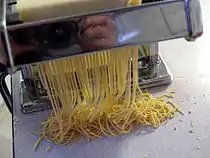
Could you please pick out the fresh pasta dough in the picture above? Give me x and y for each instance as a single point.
(98, 95)
(44, 9)
(104, 100)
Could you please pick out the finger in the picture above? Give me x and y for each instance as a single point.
(96, 32)
(99, 32)
(98, 44)
(97, 20)
(103, 37)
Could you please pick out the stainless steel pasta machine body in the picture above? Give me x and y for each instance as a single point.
(27, 43)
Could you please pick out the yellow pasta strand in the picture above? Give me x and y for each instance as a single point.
(98, 95)
(92, 103)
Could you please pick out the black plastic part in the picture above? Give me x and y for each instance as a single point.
(3, 87)
(150, 1)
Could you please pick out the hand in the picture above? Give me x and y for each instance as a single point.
(99, 32)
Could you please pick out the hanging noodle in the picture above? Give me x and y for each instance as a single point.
(98, 95)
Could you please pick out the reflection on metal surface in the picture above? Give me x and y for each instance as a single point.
(196, 18)
(48, 40)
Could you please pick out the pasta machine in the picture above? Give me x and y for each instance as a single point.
(24, 43)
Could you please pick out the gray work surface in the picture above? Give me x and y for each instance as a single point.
(172, 140)
(190, 66)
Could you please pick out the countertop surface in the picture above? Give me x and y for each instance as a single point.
(190, 65)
